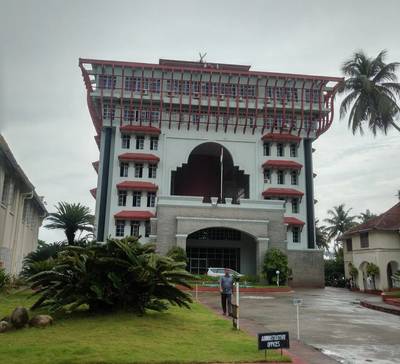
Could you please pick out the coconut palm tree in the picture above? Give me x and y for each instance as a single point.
(366, 216)
(339, 221)
(71, 217)
(321, 237)
(372, 93)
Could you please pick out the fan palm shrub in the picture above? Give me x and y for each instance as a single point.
(118, 274)
(178, 254)
(41, 259)
(70, 217)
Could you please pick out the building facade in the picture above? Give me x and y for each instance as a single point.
(214, 158)
(21, 212)
(377, 241)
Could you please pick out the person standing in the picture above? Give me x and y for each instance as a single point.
(225, 287)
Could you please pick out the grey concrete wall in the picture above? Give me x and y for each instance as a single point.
(307, 267)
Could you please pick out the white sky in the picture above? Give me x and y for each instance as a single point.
(43, 111)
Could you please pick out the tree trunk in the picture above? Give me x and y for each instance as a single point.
(70, 236)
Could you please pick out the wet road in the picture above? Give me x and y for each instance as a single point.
(331, 320)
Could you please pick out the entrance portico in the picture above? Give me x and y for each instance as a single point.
(187, 222)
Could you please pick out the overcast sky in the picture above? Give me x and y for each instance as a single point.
(43, 111)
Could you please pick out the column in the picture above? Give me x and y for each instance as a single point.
(261, 249)
(181, 240)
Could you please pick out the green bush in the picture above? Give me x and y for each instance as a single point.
(178, 254)
(275, 260)
(5, 279)
(250, 279)
(41, 259)
(334, 272)
(118, 274)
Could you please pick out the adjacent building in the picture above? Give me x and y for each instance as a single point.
(376, 241)
(21, 212)
(214, 158)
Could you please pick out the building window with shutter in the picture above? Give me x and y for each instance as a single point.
(294, 177)
(281, 177)
(122, 198)
(364, 240)
(126, 141)
(135, 225)
(123, 169)
(267, 149)
(120, 228)
(151, 199)
(154, 143)
(296, 234)
(147, 228)
(267, 176)
(293, 150)
(139, 142)
(349, 245)
(295, 206)
(137, 196)
(280, 150)
(152, 170)
(138, 170)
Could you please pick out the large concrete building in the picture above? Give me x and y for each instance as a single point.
(377, 241)
(21, 212)
(214, 158)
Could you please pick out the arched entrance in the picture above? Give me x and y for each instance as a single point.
(392, 268)
(221, 247)
(201, 175)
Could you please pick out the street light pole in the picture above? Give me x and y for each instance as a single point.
(277, 277)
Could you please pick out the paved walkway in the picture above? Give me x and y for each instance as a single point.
(299, 351)
(331, 320)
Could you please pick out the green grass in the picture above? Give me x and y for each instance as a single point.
(176, 336)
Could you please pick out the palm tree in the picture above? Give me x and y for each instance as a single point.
(372, 93)
(321, 236)
(366, 216)
(71, 217)
(339, 221)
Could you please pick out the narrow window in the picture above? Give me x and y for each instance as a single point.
(120, 228)
(5, 197)
(349, 245)
(294, 177)
(293, 150)
(123, 169)
(267, 149)
(137, 197)
(280, 150)
(267, 176)
(295, 205)
(296, 234)
(281, 177)
(139, 142)
(126, 141)
(147, 228)
(122, 198)
(108, 111)
(151, 199)
(138, 170)
(135, 225)
(154, 143)
(152, 170)
(364, 240)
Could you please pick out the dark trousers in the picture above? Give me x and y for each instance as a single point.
(226, 298)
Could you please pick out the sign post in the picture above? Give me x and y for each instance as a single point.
(235, 309)
(297, 302)
(273, 340)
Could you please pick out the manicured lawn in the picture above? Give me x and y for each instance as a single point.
(175, 336)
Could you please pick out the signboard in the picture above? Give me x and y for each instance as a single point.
(297, 301)
(273, 340)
